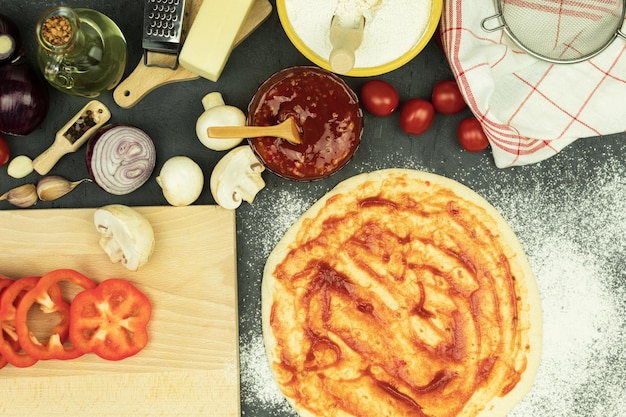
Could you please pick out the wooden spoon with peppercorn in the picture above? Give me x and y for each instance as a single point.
(73, 135)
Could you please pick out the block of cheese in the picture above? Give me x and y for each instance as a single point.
(212, 36)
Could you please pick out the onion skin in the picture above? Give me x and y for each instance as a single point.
(10, 40)
(120, 158)
(24, 98)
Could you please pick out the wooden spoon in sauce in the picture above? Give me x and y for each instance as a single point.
(287, 130)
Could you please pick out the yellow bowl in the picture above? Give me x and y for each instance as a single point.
(433, 22)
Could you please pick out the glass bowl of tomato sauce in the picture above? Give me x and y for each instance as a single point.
(328, 115)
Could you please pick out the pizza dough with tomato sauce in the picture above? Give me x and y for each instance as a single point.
(401, 293)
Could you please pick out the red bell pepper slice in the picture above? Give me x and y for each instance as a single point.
(54, 348)
(9, 344)
(4, 282)
(110, 320)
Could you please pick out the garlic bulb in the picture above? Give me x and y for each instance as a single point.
(51, 187)
(22, 196)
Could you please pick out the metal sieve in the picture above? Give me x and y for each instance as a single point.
(559, 31)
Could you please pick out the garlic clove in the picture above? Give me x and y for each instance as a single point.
(20, 167)
(22, 196)
(51, 187)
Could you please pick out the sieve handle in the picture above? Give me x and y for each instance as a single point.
(488, 28)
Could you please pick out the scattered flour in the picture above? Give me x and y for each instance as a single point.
(392, 27)
(258, 388)
(575, 240)
(574, 234)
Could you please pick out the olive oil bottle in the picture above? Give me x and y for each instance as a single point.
(81, 51)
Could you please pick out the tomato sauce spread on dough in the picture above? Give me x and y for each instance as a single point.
(395, 303)
(327, 113)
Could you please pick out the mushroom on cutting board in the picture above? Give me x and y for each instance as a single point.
(126, 235)
(236, 178)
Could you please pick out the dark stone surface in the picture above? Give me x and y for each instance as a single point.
(569, 192)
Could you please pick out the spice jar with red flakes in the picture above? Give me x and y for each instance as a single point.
(81, 52)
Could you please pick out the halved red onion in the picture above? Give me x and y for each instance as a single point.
(120, 158)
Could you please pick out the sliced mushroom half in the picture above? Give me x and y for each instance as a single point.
(236, 178)
(126, 235)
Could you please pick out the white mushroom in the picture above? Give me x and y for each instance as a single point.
(181, 179)
(126, 235)
(216, 113)
(236, 178)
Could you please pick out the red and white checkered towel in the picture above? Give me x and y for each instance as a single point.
(530, 109)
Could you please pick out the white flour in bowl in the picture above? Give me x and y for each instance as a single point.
(392, 27)
(349, 12)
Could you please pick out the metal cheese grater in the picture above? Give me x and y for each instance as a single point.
(163, 26)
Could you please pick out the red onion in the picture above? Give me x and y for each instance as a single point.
(24, 98)
(120, 158)
(10, 40)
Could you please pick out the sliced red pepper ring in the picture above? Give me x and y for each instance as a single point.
(4, 283)
(110, 320)
(42, 294)
(11, 297)
(9, 345)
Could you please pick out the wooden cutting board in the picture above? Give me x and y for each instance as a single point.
(145, 79)
(190, 366)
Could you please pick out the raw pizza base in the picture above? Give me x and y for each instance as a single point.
(401, 293)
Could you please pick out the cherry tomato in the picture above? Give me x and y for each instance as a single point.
(379, 97)
(447, 97)
(4, 151)
(471, 135)
(416, 116)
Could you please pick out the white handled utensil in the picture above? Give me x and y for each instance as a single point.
(345, 40)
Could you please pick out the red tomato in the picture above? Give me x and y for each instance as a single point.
(447, 97)
(4, 151)
(379, 97)
(471, 135)
(416, 116)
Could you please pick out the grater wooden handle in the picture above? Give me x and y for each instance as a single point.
(145, 79)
